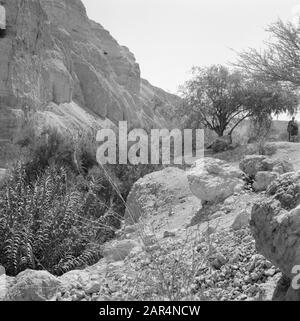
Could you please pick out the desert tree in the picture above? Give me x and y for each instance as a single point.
(219, 99)
(280, 59)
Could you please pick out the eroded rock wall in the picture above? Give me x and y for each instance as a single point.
(53, 54)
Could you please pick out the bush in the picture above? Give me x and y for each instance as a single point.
(266, 149)
(45, 224)
(57, 206)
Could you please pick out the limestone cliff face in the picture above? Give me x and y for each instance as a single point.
(68, 71)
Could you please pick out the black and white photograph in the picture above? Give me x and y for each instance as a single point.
(149, 155)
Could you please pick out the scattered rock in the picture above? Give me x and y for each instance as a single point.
(252, 164)
(169, 234)
(33, 286)
(209, 231)
(219, 261)
(286, 189)
(275, 228)
(230, 200)
(93, 287)
(218, 214)
(241, 221)
(213, 180)
(149, 240)
(157, 193)
(263, 180)
(270, 272)
(221, 144)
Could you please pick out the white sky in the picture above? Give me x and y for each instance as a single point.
(168, 37)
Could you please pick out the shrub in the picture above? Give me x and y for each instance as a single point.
(58, 206)
(45, 224)
(266, 149)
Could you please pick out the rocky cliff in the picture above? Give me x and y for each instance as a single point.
(69, 72)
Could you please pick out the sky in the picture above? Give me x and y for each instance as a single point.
(169, 37)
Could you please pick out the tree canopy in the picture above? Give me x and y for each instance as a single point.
(220, 99)
(280, 60)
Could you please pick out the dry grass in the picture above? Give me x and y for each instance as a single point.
(168, 269)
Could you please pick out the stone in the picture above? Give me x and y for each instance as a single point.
(286, 189)
(282, 167)
(93, 287)
(213, 180)
(241, 221)
(5, 283)
(218, 261)
(263, 180)
(33, 286)
(209, 231)
(270, 272)
(236, 257)
(160, 194)
(79, 294)
(252, 164)
(221, 144)
(218, 214)
(276, 228)
(238, 189)
(168, 234)
(230, 200)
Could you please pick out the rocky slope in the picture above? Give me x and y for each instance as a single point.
(69, 72)
(171, 247)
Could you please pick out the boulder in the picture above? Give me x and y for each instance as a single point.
(221, 144)
(286, 189)
(168, 234)
(217, 260)
(263, 180)
(252, 164)
(276, 232)
(241, 221)
(33, 286)
(279, 166)
(283, 167)
(5, 283)
(213, 180)
(164, 193)
(92, 287)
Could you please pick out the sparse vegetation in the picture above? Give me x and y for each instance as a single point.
(220, 99)
(46, 223)
(186, 235)
(279, 62)
(58, 205)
